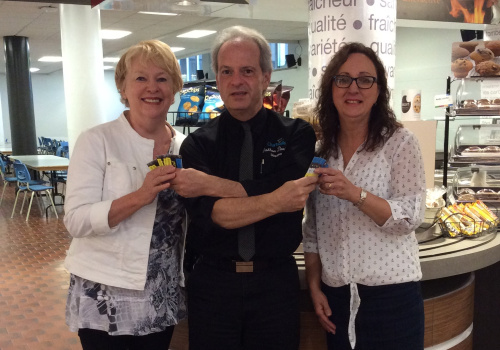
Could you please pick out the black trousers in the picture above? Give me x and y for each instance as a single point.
(92, 339)
(244, 311)
(390, 317)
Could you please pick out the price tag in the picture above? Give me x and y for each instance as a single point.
(443, 101)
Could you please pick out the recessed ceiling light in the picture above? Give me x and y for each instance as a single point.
(34, 69)
(111, 59)
(196, 34)
(159, 13)
(175, 49)
(114, 34)
(185, 3)
(50, 59)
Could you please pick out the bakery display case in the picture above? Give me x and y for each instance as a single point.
(474, 118)
(476, 144)
(471, 98)
(470, 184)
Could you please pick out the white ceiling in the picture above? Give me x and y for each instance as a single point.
(278, 20)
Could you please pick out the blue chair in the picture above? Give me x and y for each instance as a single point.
(61, 175)
(23, 182)
(6, 179)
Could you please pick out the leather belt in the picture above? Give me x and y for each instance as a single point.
(242, 266)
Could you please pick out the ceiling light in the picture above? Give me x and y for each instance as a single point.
(114, 34)
(196, 34)
(108, 67)
(159, 13)
(175, 49)
(34, 69)
(111, 59)
(50, 59)
(185, 3)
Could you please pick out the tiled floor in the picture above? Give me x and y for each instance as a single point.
(33, 282)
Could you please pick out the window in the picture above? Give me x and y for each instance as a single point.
(279, 51)
(189, 66)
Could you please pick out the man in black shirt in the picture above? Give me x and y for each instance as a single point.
(234, 303)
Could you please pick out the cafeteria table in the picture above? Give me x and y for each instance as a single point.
(45, 162)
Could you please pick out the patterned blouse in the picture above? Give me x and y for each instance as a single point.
(161, 304)
(352, 247)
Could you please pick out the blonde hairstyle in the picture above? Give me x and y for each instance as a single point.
(149, 51)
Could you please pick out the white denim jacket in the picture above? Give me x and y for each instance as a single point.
(108, 162)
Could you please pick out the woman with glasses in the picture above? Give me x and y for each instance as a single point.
(361, 252)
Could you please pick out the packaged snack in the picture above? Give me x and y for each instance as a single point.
(213, 105)
(317, 162)
(272, 96)
(166, 159)
(191, 104)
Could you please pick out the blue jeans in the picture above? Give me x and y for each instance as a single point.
(244, 311)
(390, 317)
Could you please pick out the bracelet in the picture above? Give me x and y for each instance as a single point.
(361, 200)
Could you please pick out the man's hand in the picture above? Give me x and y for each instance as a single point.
(292, 195)
(190, 182)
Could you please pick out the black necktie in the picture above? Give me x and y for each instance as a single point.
(246, 234)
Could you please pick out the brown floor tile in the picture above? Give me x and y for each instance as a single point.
(33, 281)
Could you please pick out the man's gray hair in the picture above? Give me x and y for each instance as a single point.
(245, 34)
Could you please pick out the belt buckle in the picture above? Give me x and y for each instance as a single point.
(244, 266)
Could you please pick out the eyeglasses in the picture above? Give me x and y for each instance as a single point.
(344, 81)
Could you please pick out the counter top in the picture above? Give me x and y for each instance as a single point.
(441, 256)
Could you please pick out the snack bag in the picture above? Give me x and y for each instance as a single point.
(272, 96)
(166, 159)
(191, 104)
(317, 162)
(213, 105)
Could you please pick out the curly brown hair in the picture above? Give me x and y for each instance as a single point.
(382, 123)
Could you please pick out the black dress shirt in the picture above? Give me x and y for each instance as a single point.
(283, 150)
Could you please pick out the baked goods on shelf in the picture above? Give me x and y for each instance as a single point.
(491, 149)
(481, 55)
(469, 104)
(469, 45)
(461, 67)
(458, 52)
(494, 46)
(488, 69)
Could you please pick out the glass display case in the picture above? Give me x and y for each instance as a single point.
(473, 119)
(477, 97)
(476, 144)
(476, 183)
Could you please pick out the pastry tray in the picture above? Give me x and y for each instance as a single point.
(477, 111)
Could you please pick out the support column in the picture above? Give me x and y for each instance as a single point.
(20, 95)
(334, 23)
(83, 68)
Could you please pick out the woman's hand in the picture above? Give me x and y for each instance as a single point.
(333, 182)
(323, 311)
(156, 181)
